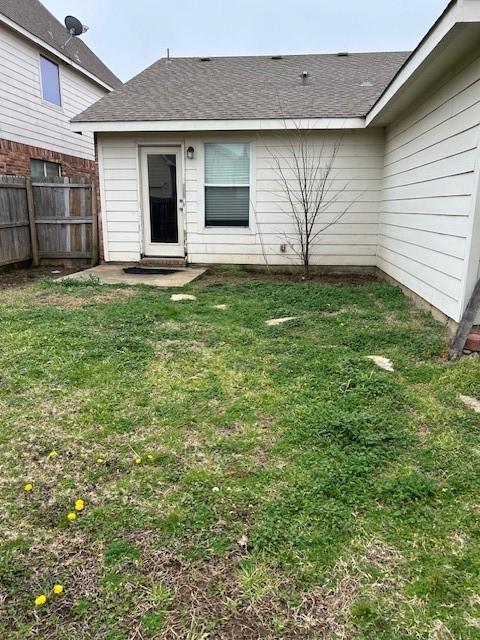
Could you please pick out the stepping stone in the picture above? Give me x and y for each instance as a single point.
(473, 403)
(276, 321)
(382, 362)
(219, 306)
(178, 297)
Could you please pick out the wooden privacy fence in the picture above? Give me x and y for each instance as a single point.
(47, 218)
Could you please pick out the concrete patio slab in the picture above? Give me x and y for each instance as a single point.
(113, 273)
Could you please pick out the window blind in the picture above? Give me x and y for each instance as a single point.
(227, 184)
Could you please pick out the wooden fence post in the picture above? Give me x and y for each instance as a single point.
(31, 219)
(95, 247)
(466, 323)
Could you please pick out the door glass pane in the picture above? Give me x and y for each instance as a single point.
(162, 185)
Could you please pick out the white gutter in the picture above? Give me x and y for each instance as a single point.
(41, 43)
(221, 125)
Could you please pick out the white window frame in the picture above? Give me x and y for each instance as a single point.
(51, 105)
(217, 229)
(175, 250)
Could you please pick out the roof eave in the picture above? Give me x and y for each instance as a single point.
(220, 125)
(458, 14)
(44, 45)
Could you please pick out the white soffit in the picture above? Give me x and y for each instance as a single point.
(454, 34)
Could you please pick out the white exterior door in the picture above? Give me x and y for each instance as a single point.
(162, 202)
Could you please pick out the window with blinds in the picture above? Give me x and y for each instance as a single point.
(227, 185)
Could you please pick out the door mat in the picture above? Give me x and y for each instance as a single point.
(147, 271)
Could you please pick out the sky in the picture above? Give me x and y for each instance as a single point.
(128, 35)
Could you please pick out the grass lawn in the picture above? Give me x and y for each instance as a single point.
(239, 480)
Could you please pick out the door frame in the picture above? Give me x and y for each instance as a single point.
(160, 249)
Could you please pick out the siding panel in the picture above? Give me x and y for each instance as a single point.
(25, 117)
(429, 178)
(355, 189)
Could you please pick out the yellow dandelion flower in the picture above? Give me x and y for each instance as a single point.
(28, 486)
(72, 515)
(41, 599)
(100, 460)
(149, 456)
(138, 460)
(79, 505)
(53, 454)
(58, 589)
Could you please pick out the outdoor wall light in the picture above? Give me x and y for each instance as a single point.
(190, 153)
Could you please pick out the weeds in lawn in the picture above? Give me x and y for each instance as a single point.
(230, 479)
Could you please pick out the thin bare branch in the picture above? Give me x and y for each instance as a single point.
(306, 180)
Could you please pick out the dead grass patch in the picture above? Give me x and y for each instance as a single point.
(222, 598)
(211, 598)
(75, 301)
(440, 631)
(69, 558)
(167, 347)
(325, 611)
(250, 602)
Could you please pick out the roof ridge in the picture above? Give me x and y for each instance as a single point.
(283, 55)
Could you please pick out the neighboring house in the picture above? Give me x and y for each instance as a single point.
(185, 153)
(44, 83)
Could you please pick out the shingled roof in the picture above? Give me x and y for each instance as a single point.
(37, 20)
(250, 87)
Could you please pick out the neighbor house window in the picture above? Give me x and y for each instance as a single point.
(44, 169)
(227, 185)
(50, 81)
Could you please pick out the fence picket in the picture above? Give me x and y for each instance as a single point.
(47, 218)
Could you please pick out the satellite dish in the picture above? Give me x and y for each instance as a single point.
(74, 26)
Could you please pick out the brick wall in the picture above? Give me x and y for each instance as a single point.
(15, 159)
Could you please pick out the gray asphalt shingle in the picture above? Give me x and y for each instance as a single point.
(250, 87)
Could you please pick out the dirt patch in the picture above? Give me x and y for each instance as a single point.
(12, 278)
(218, 276)
(212, 591)
(249, 606)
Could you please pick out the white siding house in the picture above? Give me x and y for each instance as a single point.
(45, 81)
(406, 175)
(352, 241)
(25, 116)
(429, 188)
